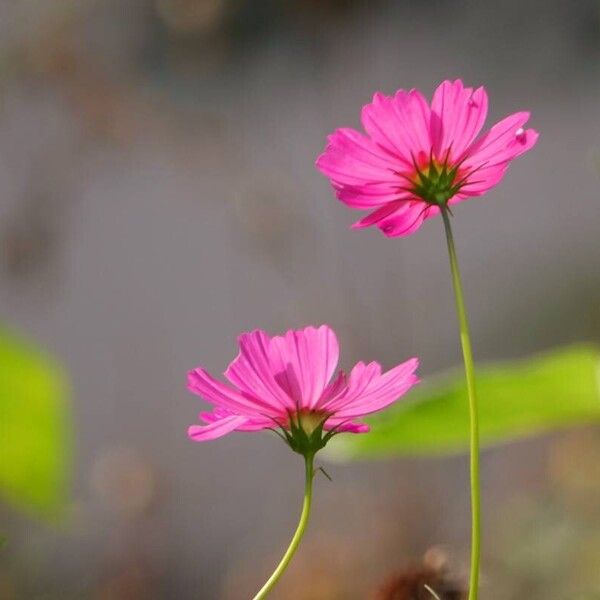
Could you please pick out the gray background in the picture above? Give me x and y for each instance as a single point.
(158, 196)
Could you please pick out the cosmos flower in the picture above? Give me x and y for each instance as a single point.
(285, 383)
(418, 157)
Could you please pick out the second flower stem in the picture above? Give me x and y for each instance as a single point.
(473, 409)
(289, 553)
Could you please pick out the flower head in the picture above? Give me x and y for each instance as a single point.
(418, 157)
(285, 383)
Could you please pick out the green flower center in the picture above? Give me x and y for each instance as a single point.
(436, 183)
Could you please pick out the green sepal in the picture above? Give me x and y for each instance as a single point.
(304, 438)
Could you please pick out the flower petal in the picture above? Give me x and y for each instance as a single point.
(252, 423)
(337, 386)
(306, 360)
(457, 116)
(483, 180)
(253, 373)
(216, 429)
(413, 117)
(350, 158)
(503, 142)
(203, 384)
(361, 376)
(406, 220)
(369, 196)
(346, 426)
(380, 391)
(387, 126)
(377, 215)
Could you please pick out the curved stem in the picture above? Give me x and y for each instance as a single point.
(289, 553)
(473, 410)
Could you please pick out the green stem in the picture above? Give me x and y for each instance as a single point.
(473, 410)
(289, 553)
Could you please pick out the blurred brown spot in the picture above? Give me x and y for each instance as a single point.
(571, 460)
(412, 583)
(133, 582)
(8, 589)
(192, 16)
(125, 481)
(52, 51)
(27, 245)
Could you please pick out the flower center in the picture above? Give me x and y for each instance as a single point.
(304, 431)
(436, 183)
(309, 420)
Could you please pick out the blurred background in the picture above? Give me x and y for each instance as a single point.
(158, 196)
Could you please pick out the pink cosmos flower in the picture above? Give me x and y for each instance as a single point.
(417, 156)
(285, 382)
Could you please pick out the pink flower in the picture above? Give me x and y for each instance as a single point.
(418, 157)
(285, 382)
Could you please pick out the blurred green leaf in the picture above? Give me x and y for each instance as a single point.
(34, 428)
(516, 399)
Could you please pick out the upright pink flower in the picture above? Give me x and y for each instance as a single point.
(285, 382)
(417, 157)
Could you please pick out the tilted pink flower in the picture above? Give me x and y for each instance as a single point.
(285, 382)
(417, 156)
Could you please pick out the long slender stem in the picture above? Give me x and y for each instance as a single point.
(289, 553)
(473, 410)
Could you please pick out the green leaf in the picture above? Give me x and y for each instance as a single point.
(34, 429)
(554, 390)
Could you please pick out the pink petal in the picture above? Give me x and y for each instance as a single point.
(434, 211)
(346, 426)
(306, 360)
(406, 220)
(413, 121)
(379, 214)
(483, 180)
(200, 382)
(350, 158)
(370, 195)
(361, 376)
(457, 116)
(337, 386)
(380, 391)
(387, 126)
(503, 142)
(217, 429)
(252, 423)
(254, 374)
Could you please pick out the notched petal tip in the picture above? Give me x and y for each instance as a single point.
(449, 83)
(319, 159)
(377, 97)
(414, 380)
(413, 363)
(193, 375)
